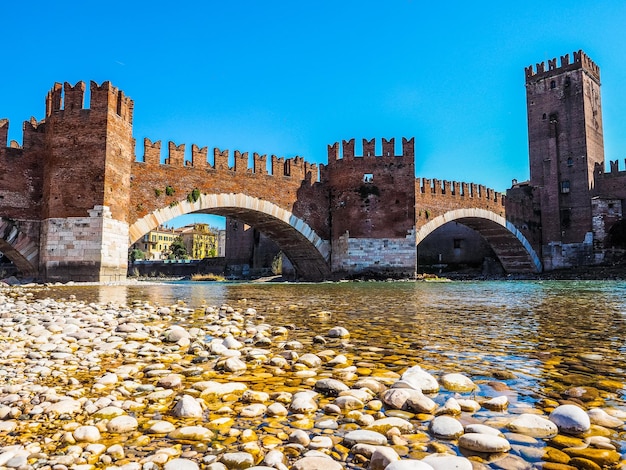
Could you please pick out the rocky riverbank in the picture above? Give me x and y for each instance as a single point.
(86, 386)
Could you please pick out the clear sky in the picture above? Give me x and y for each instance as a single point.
(289, 77)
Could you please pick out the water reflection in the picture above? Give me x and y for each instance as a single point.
(552, 335)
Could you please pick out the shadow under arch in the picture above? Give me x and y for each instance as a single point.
(22, 250)
(510, 246)
(308, 253)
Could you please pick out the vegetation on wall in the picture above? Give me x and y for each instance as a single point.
(194, 195)
(169, 190)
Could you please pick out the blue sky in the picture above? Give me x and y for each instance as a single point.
(289, 77)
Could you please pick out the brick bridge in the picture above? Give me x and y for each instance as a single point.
(74, 197)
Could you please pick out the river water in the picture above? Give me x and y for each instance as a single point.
(542, 337)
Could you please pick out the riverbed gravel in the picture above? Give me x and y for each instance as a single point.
(145, 387)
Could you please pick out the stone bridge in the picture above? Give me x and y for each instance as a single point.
(74, 197)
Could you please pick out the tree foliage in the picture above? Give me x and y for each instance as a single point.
(177, 249)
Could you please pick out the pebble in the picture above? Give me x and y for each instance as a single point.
(533, 425)
(570, 419)
(484, 443)
(445, 427)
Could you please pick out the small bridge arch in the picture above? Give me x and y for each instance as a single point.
(509, 244)
(17, 246)
(308, 253)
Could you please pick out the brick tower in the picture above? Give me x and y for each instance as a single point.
(86, 183)
(565, 143)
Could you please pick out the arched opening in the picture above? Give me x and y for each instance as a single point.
(456, 248)
(306, 251)
(510, 247)
(19, 249)
(616, 243)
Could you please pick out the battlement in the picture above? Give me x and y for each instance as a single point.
(388, 149)
(458, 189)
(295, 167)
(103, 98)
(614, 169)
(32, 135)
(580, 60)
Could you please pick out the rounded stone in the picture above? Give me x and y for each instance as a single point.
(191, 433)
(316, 463)
(187, 407)
(362, 436)
(570, 419)
(122, 424)
(86, 434)
(237, 460)
(601, 418)
(161, 427)
(484, 443)
(418, 379)
(338, 332)
(533, 425)
(457, 383)
(181, 464)
(330, 387)
(385, 424)
(497, 403)
(408, 465)
(382, 457)
(445, 427)
(448, 462)
(253, 410)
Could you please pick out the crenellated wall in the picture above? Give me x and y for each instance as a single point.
(435, 197)
(155, 184)
(579, 59)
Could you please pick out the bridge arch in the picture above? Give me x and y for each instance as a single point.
(308, 253)
(16, 245)
(509, 244)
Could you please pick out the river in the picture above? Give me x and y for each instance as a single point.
(553, 335)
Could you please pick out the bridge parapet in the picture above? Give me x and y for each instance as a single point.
(369, 149)
(459, 189)
(435, 197)
(295, 168)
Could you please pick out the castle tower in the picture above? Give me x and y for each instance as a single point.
(86, 184)
(565, 142)
(372, 209)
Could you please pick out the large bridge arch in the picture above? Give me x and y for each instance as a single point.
(509, 244)
(308, 253)
(16, 245)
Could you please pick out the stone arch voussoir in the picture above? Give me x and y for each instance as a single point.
(16, 245)
(512, 248)
(306, 250)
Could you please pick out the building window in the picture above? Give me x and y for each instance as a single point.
(570, 161)
(457, 243)
(565, 187)
(368, 177)
(552, 84)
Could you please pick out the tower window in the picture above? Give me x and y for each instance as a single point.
(552, 84)
(457, 243)
(368, 177)
(544, 116)
(570, 161)
(565, 187)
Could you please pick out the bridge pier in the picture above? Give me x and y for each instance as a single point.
(87, 249)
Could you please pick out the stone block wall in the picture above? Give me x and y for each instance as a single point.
(93, 248)
(392, 257)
